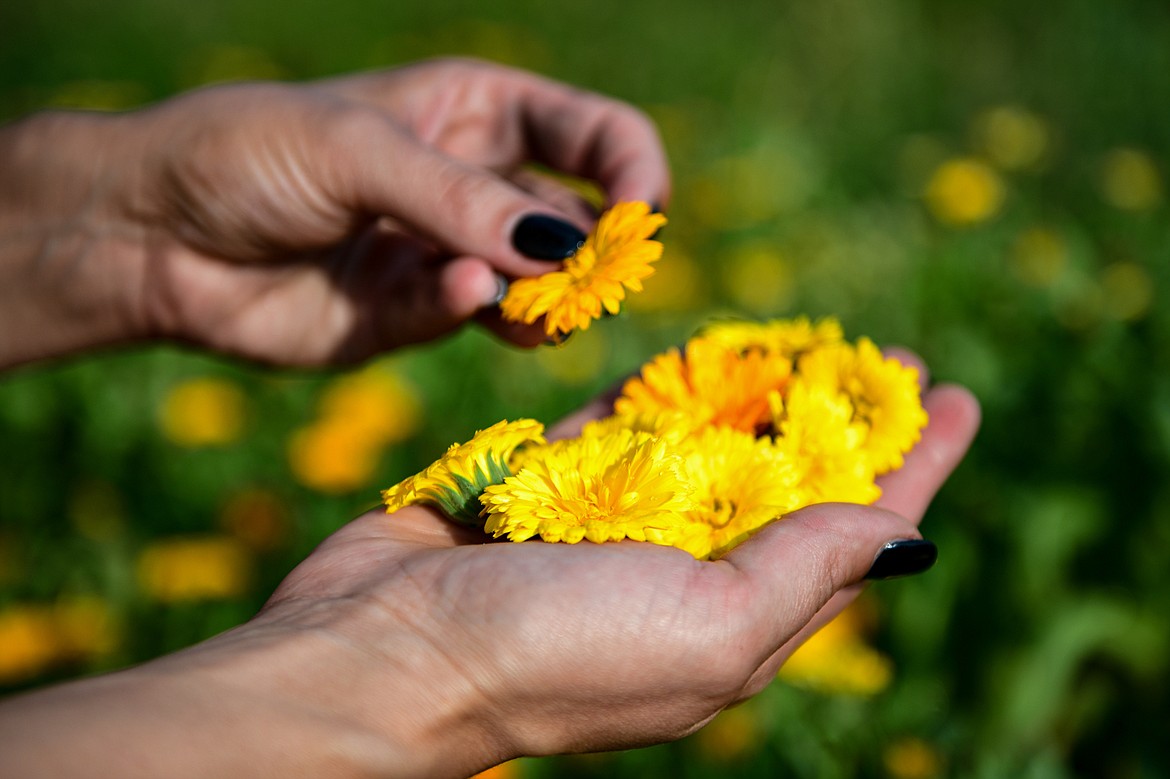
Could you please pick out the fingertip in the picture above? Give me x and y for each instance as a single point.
(468, 285)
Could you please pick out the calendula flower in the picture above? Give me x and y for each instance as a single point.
(741, 484)
(203, 412)
(816, 428)
(786, 337)
(711, 384)
(673, 426)
(884, 393)
(615, 257)
(624, 485)
(455, 482)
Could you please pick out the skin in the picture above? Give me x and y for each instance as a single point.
(324, 223)
(300, 225)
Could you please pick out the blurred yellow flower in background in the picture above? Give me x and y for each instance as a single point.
(912, 758)
(35, 638)
(28, 642)
(1012, 137)
(1127, 291)
(203, 412)
(194, 568)
(1039, 256)
(677, 285)
(837, 659)
(333, 456)
(359, 415)
(757, 278)
(963, 192)
(376, 401)
(1130, 180)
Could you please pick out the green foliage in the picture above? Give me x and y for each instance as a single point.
(803, 138)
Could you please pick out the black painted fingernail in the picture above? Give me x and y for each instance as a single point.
(903, 558)
(546, 238)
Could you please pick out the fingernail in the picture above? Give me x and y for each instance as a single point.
(501, 291)
(546, 238)
(903, 558)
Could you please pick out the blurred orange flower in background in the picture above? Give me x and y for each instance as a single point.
(359, 415)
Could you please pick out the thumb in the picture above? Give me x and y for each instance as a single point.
(464, 209)
(794, 566)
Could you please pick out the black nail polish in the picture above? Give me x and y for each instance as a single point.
(546, 238)
(903, 558)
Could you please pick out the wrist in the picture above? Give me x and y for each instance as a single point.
(71, 258)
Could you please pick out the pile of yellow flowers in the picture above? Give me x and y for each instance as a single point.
(705, 446)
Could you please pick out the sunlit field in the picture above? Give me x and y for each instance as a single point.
(985, 183)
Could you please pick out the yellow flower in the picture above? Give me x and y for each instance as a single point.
(741, 484)
(671, 425)
(203, 412)
(333, 455)
(815, 427)
(711, 384)
(625, 485)
(454, 482)
(28, 642)
(614, 258)
(884, 393)
(1012, 137)
(785, 337)
(964, 192)
(184, 569)
(374, 400)
(838, 660)
(508, 770)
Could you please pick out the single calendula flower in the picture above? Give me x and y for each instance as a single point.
(787, 337)
(668, 424)
(884, 393)
(599, 488)
(741, 484)
(455, 481)
(816, 429)
(615, 257)
(711, 384)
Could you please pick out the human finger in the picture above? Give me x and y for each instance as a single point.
(794, 567)
(953, 421)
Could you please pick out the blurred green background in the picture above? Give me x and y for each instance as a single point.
(982, 181)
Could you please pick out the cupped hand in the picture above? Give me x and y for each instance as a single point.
(552, 648)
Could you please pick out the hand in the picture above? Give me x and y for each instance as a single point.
(408, 646)
(533, 649)
(304, 224)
